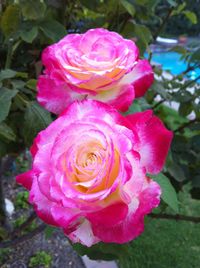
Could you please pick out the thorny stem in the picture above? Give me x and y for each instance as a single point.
(185, 125)
(158, 103)
(176, 217)
(9, 54)
(163, 23)
(190, 68)
(191, 82)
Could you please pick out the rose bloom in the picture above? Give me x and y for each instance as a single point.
(99, 65)
(89, 172)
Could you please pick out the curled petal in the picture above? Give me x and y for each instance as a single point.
(55, 98)
(64, 216)
(26, 179)
(154, 140)
(42, 205)
(141, 77)
(118, 96)
(84, 235)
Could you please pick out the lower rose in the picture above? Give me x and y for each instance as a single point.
(89, 172)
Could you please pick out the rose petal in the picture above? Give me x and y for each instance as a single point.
(141, 77)
(109, 216)
(26, 179)
(84, 235)
(154, 138)
(133, 224)
(55, 98)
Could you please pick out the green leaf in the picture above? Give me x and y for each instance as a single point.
(134, 108)
(176, 171)
(181, 7)
(185, 108)
(32, 84)
(30, 35)
(191, 16)
(103, 251)
(138, 105)
(53, 29)
(10, 19)
(178, 9)
(169, 195)
(195, 56)
(90, 4)
(6, 96)
(35, 119)
(22, 75)
(140, 32)
(183, 96)
(159, 88)
(129, 7)
(7, 74)
(32, 9)
(6, 133)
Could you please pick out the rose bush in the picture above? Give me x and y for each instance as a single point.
(89, 172)
(99, 65)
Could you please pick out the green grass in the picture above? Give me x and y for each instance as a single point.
(167, 243)
(41, 259)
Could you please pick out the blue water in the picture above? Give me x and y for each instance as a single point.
(171, 61)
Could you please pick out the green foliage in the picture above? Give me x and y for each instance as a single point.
(6, 133)
(10, 20)
(185, 17)
(21, 220)
(41, 258)
(21, 200)
(32, 9)
(22, 163)
(103, 251)
(6, 74)
(4, 254)
(191, 16)
(140, 32)
(52, 29)
(168, 193)
(5, 101)
(129, 7)
(35, 119)
(28, 35)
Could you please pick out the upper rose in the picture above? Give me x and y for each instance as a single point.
(99, 65)
(89, 172)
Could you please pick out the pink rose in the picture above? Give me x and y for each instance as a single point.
(99, 65)
(89, 172)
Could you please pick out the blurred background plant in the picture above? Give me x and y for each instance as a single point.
(28, 26)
